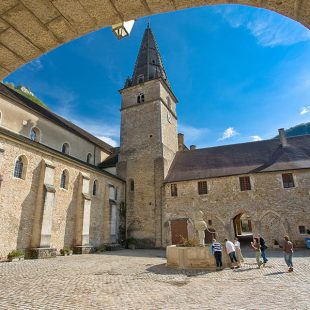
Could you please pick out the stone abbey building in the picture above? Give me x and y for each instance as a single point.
(61, 186)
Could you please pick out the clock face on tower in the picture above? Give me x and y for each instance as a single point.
(169, 117)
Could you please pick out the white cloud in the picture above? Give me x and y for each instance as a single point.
(256, 138)
(108, 140)
(305, 110)
(192, 133)
(269, 28)
(109, 133)
(35, 65)
(228, 133)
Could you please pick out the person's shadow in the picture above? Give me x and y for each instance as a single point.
(275, 273)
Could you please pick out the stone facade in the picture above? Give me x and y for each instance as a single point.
(60, 200)
(70, 217)
(148, 159)
(272, 209)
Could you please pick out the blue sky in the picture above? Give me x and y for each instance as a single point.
(240, 73)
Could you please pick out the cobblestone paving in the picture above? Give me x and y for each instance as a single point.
(140, 280)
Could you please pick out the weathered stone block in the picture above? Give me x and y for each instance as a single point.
(40, 253)
(83, 249)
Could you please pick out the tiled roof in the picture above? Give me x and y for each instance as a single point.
(15, 96)
(245, 158)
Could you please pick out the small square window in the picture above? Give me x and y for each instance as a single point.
(245, 183)
(302, 230)
(288, 180)
(210, 222)
(174, 190)
(202, 188)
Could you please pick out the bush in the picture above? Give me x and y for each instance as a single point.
(65, 250)
(101, 248)
(130, 241)
(16, 253)
(189, 242)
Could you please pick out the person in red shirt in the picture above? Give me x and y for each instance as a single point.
(288, 253)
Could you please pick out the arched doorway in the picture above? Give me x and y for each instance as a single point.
(243, 226)
(272, 228)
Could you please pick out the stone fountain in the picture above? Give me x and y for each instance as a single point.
(201, 256)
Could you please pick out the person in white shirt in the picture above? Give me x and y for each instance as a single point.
(231, 251)
(238, 250)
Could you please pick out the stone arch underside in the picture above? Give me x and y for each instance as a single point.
(30, 28)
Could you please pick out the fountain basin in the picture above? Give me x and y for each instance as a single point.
(194, 257)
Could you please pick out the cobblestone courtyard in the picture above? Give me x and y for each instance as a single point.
(140, 280)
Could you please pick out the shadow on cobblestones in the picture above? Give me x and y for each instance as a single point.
(274, 273)
(275, 253)
(136, 253)
(162, 269)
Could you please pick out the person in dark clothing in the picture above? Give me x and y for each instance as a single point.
(217, 252)
(263, 248)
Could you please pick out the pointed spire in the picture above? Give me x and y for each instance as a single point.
(149, 65)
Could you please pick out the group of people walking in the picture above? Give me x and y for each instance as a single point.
(258, 245)
(232, 249)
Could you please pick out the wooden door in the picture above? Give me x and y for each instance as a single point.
(178, 230)
(209, 235)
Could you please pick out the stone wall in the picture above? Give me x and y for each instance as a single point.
(148, 146)
(18, 197)
(273, 210)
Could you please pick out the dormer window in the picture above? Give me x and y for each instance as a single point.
(140, 98)
(89, 158)
(35, 134)
(140, 79)
(65, 148)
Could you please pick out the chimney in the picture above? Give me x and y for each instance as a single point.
(192, 147)
(181, 141)
(282, 137)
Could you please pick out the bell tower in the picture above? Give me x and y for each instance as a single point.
(148, 143)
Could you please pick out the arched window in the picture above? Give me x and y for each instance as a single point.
(65, 148)
(95, 188)
(132, 185)
(35, 134)
(64, 179)
(140, 98)
(20, 167)
(89, 158)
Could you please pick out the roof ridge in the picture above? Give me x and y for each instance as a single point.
(15, 96)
